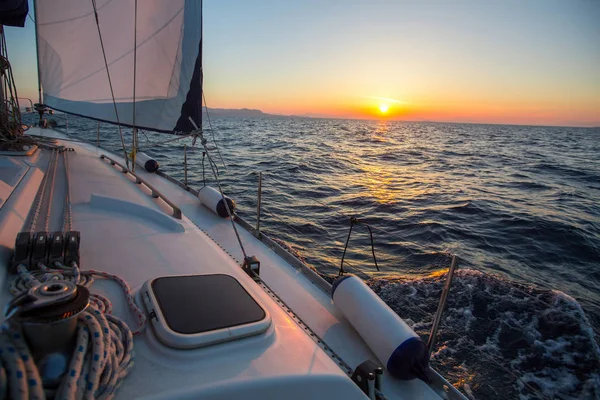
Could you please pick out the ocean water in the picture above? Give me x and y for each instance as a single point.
(519, 206)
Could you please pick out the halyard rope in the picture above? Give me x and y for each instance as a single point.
(40, 195)
(67, 219)
(51, 193)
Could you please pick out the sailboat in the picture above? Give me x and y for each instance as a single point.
(120, 281)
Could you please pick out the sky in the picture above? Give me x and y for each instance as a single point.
(517, 62)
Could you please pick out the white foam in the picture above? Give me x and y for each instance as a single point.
(495, 331)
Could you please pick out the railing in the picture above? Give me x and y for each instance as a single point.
(438, 315)
(154, 192)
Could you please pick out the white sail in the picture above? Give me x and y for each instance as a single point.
(168, 70)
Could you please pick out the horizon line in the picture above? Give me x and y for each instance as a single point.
(266, 114)
(566, 125)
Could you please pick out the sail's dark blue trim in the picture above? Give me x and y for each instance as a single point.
(13, 12)
(192, 107)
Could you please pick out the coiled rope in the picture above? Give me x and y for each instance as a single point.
(103, 354)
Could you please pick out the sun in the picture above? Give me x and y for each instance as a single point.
(384, 108)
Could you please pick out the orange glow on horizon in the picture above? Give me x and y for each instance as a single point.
(434, 107)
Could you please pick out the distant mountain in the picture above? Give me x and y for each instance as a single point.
(241, 112)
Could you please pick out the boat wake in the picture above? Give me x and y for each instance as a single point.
(501, 339)
(498, 338)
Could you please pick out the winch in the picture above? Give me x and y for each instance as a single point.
(48, 315)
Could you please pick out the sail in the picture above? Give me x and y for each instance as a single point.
(168, 60)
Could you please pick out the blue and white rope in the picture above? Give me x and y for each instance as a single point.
(23, 378)
(103, 353)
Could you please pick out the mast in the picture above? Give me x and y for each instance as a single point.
(201, 64)
(37, 53)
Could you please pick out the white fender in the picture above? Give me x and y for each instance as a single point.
(212, 199)
(146, 162)
(396, 345)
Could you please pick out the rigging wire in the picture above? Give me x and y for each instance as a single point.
(216, 174)
(212, 132)
(112, 93)
(226, 203)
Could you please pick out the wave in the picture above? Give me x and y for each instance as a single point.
(563, 170)
(496, 331)
(527, 185)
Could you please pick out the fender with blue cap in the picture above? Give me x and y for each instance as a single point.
(212, 199)
(146, 162)
(395, 344)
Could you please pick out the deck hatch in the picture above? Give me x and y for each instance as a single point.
(197, 310)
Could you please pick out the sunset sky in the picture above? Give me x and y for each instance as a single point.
(522, 62)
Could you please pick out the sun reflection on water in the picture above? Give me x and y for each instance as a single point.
(379, 183)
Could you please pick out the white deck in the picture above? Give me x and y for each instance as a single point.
(125, 231)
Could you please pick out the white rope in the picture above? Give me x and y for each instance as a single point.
(103, 354)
